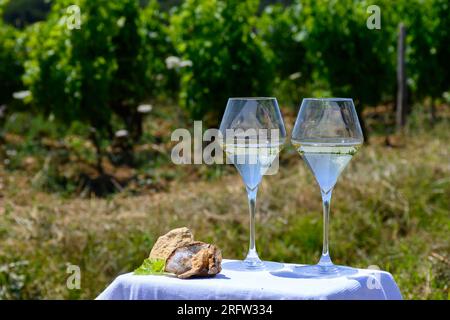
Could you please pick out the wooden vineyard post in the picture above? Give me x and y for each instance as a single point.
(401, 111)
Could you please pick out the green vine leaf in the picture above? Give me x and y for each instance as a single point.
(151, 267)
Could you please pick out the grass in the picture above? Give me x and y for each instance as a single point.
(390, 208)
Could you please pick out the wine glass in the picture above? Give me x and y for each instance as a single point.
(327, 134)
(252, 134)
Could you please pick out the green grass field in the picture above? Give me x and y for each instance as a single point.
(390, 208)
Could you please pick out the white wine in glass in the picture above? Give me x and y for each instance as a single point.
(327, 160)
(252, 161)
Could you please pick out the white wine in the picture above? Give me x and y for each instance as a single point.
(252, 160)
(327, 160)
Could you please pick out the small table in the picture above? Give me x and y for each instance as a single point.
(234, 283)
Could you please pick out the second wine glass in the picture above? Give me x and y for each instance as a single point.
(327, 134)
(253, 133)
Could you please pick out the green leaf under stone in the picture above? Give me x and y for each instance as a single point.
(151, 267)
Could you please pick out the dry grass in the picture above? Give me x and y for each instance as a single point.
(390, 208)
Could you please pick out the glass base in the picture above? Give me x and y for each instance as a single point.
(253, 263)
(323, 271)
(244, 267)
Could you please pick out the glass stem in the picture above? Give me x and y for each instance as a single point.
(252, 256)
(325, 260)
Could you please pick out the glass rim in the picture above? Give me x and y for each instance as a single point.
(327, 99)
(252, 98)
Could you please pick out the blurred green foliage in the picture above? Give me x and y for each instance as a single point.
(429, 37)
(283, 31)
(155, 27)
(24, 12)
(11, 60)
(228, 59)
(202, 52)
(98, 72)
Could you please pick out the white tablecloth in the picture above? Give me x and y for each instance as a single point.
(236, 284)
